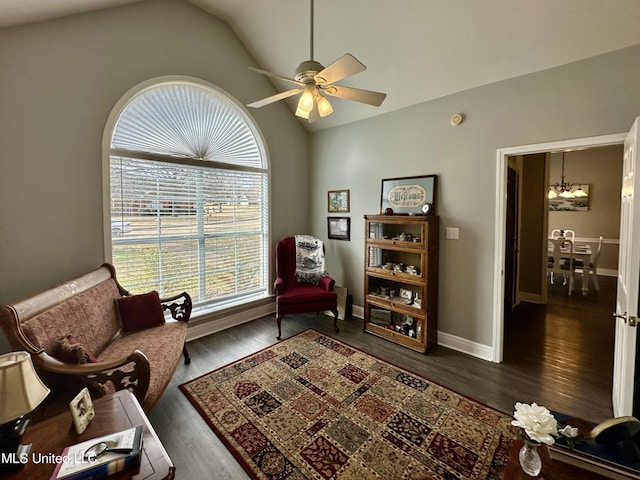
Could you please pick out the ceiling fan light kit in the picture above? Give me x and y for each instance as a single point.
(313, 79)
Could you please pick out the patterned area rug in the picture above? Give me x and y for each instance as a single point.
(311, 407)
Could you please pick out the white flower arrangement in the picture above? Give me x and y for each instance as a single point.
(537, 422)
(540, 426)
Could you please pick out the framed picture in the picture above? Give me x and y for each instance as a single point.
(338, 201)
(339, 228)
(409, 195)
(579, 202)
(82, 410)
(406, 294)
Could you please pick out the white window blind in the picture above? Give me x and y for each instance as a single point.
(189, 197)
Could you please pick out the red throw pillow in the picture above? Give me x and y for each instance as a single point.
(71, 351)
(138, 312)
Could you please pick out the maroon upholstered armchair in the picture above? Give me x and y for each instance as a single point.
(294, 296)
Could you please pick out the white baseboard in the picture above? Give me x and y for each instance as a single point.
(213, 323)
(206, 325)
(483, 352)
(607, 272)
(577, 285)
(218, 321)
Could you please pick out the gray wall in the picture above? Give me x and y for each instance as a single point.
(58, 82)
(593, 97)
(60, 79)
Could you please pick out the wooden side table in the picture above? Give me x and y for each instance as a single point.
(113, 413)
(551, 469)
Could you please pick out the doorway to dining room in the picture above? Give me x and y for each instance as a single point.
(565, 342)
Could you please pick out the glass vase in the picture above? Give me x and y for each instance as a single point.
(529, 457)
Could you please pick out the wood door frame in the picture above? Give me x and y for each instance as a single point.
(502, 155)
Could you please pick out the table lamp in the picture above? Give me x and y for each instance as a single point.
(21, 391)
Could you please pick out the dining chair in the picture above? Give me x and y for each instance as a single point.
(555, 233)
(568, 234)
(592, 267)
(561, 260)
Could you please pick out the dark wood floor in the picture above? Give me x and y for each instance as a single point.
(559, 356)
(565, 349)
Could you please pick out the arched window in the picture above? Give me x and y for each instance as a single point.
(188, 195)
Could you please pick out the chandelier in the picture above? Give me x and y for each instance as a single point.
(565, 189)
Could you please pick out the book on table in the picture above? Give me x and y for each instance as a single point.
(101, 456)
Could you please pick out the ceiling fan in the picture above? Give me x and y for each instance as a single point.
(313, 80)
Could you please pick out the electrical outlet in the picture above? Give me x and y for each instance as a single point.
(453, 233)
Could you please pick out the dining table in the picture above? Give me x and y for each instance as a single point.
(583, 253)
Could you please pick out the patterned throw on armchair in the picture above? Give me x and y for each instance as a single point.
(302, 284)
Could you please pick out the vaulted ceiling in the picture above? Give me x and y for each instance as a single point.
(414, 50)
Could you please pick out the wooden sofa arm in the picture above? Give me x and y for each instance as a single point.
(135, 377)
(180, 311)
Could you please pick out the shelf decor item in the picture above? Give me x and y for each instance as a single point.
(82, 410)
(401, 255)
(409, 195)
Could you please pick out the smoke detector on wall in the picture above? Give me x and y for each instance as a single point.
(457, 119)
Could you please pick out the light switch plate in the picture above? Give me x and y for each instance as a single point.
(453, 233)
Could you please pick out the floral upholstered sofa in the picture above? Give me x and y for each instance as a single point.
(92, 329)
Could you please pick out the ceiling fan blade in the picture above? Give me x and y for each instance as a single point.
(357, 95)
(343, 67)
(275, 75)
(274, 98)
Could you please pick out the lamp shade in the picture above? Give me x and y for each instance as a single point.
(324, 107)
(566, 194)
(580, 192)
(21, 390)
(307, 99)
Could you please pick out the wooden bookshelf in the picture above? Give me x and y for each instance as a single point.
(401, 279)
